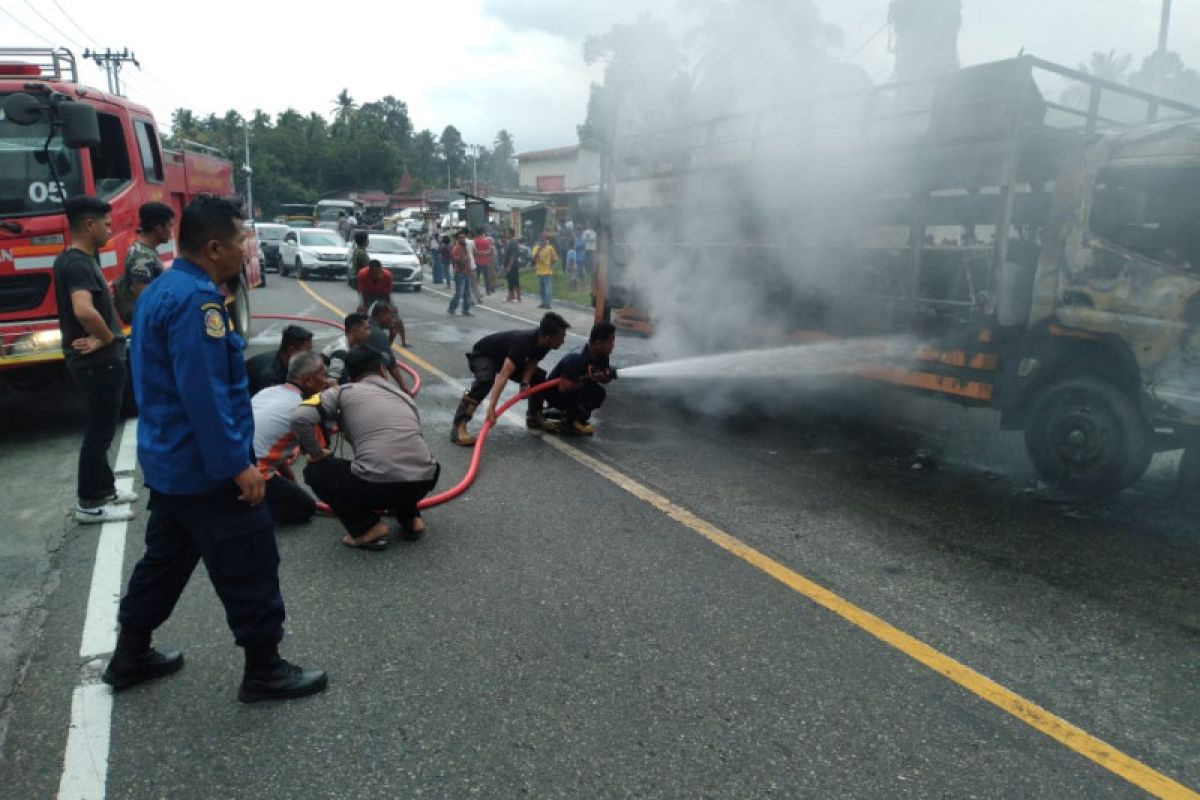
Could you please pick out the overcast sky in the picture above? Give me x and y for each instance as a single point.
(483, 65)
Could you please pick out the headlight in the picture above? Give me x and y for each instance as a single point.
(33, 343)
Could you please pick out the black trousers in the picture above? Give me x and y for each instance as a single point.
(236, 543)
(103, 388)
(355, 501)
(484, 370)
(577, 406)
(288, 502)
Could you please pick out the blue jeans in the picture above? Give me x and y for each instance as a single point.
(436, 258)
(546, 288)
(462, 290)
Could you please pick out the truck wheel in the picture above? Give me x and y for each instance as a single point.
(1086, 436)
(239, 309)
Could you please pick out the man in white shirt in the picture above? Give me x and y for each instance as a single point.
(275, 447)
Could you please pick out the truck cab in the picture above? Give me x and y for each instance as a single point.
(1031, 228)
(125, 165)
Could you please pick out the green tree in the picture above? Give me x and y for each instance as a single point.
(501, 171)
(454, 153)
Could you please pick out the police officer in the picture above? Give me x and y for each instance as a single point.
(195, 444)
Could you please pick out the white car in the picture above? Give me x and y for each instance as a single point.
(397, 257)
(312, 251)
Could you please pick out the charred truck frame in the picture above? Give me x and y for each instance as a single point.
(1046, 254)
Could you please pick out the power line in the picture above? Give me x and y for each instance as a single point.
(870, 39)
(26, 27)
(54, 27)
(78, 27)
(171, 97)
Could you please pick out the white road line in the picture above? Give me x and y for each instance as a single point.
(85, 760)
(100, 624)
(500, 311)
(85, 766)
(127, 452)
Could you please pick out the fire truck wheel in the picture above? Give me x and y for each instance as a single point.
(239, 309)
(1087, 437)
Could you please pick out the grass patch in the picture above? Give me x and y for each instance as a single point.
(562, 288)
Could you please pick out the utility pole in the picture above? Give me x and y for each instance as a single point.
(248, 173)
(1163, 26)
(474, 148)
(111, 62)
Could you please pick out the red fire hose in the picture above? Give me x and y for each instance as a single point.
(416, 387)
(473, 470)
(476, 456)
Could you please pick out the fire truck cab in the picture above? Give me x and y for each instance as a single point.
(59, 138)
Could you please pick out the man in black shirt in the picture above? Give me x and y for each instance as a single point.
(500, 356)
(95, 353)
(270, 369)
(582, 372)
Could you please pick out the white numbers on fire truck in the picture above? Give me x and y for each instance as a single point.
(45, 191)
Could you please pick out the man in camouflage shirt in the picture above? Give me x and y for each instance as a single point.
(142, 264)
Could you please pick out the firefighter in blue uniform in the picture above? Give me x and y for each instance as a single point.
(196, 448)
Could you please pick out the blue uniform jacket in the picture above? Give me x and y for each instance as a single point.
(196, 430)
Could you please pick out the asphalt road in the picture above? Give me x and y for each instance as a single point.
(569, 628)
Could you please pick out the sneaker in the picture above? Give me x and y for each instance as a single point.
(121, 497)
(540, 423)
(581, 428)
(99, 514)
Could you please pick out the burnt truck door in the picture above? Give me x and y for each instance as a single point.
(1133, 274)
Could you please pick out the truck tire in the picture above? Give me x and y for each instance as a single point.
(239, 309)
(1087, 437)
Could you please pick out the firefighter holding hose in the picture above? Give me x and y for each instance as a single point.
(582, 375)
(504, 356)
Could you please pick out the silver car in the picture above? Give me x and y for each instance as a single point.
(397, 257)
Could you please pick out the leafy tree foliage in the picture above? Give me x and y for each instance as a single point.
(298, 158)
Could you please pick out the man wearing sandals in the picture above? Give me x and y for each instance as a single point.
(392, 468)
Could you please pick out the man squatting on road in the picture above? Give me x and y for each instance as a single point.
(274, 444)
(392, 467)
(500, 356)
(580, 374)
(196, 448)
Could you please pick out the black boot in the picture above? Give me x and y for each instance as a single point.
(462, 415)
(135, 661)
(269, 677)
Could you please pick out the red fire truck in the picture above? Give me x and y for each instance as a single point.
(59, 138)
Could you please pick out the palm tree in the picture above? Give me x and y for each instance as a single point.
(343, 109)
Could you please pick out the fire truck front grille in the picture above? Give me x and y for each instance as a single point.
(23, 292)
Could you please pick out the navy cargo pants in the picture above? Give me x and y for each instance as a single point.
(236, 543)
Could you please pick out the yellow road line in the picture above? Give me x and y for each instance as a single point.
(1057, 728)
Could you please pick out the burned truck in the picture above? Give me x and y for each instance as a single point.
(1034, 229)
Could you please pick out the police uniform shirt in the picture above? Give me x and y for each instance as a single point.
(196, 426)
(520, 346)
